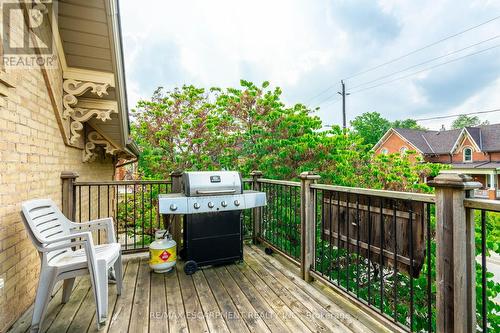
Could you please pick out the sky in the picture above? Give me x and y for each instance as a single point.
(307, 46)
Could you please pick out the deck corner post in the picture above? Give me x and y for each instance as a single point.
(307, 226)
(68, 201)
(455, 254)
(257, 211)
(175, 226)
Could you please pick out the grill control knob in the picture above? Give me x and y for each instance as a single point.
(210, 204)
(223, 204)
(173, 207)
(236, 203)
(196, 205)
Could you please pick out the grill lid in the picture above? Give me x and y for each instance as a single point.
(205, 183)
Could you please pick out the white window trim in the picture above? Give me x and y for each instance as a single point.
(384, 151)
(463, 154)
(403, 150)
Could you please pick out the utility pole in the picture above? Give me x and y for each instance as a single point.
(343, 94)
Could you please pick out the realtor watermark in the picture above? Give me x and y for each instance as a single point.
(27, 33)
(248, 315)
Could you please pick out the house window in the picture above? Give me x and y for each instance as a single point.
(467, 154)
(385, 151)
(403, 150)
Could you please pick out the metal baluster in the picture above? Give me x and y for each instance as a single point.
(348, 241)
(109, 211)
(126, 216)
(338, 238)
(90, 203)
(151, 208)
(411, 265)
(322, 234)
(394, 232)
(277, 207)
(135, 216)
(157, 208)
(280, 221)
(142, 214)
(358, 226)
(80, 203)
(330, 241)
(484, 302)
(99, 212)
(290, 221)
(116, 213)
(429, 270)
(369, 249)
(381, 256)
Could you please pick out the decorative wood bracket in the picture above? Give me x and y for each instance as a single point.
(94, 139)
(78, 116)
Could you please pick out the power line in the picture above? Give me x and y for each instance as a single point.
(403, 56)
(458, 115)
(321, 93)
(426, 62)
(422, 48)
(426, 69)
(332, 101)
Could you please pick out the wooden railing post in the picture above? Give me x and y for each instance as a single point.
(176, 226)
(307, 226)
(257, 211)
(68, 194)
(455, 254)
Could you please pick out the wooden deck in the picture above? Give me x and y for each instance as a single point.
(261, 294)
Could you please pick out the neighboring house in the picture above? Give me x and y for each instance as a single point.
(67, 111)
(472, 150)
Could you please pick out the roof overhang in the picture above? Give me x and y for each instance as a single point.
(387, 135)
(460, 139)
(89, 44)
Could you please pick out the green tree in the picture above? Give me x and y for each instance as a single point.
(407, 123)
(371, 126)
(467, 121)
(251, 128)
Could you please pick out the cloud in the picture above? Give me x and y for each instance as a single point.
(306, 46)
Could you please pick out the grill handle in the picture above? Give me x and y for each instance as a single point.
(213, 192)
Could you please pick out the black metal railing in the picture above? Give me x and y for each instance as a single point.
(280, 222)
(486, 214)
(376, 249)
(132, 204)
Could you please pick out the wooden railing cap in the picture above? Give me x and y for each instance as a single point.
(309, 175)
(454, 180)
(177, 173)
(256, 173)
(69, 175)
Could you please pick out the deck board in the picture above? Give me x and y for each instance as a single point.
(158, 305)
(139, 317)
(258, 295)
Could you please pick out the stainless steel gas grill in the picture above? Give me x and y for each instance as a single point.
(211, 202)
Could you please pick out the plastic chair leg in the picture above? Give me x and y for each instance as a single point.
(67, 289)
(119, 274)
(45, 287)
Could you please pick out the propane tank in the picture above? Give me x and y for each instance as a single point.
(162, 252)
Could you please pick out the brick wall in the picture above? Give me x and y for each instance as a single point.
(393, 144)
(32, 157)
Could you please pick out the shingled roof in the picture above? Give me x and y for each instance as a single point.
(486, 137)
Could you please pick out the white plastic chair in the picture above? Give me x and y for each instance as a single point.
(56, 238)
